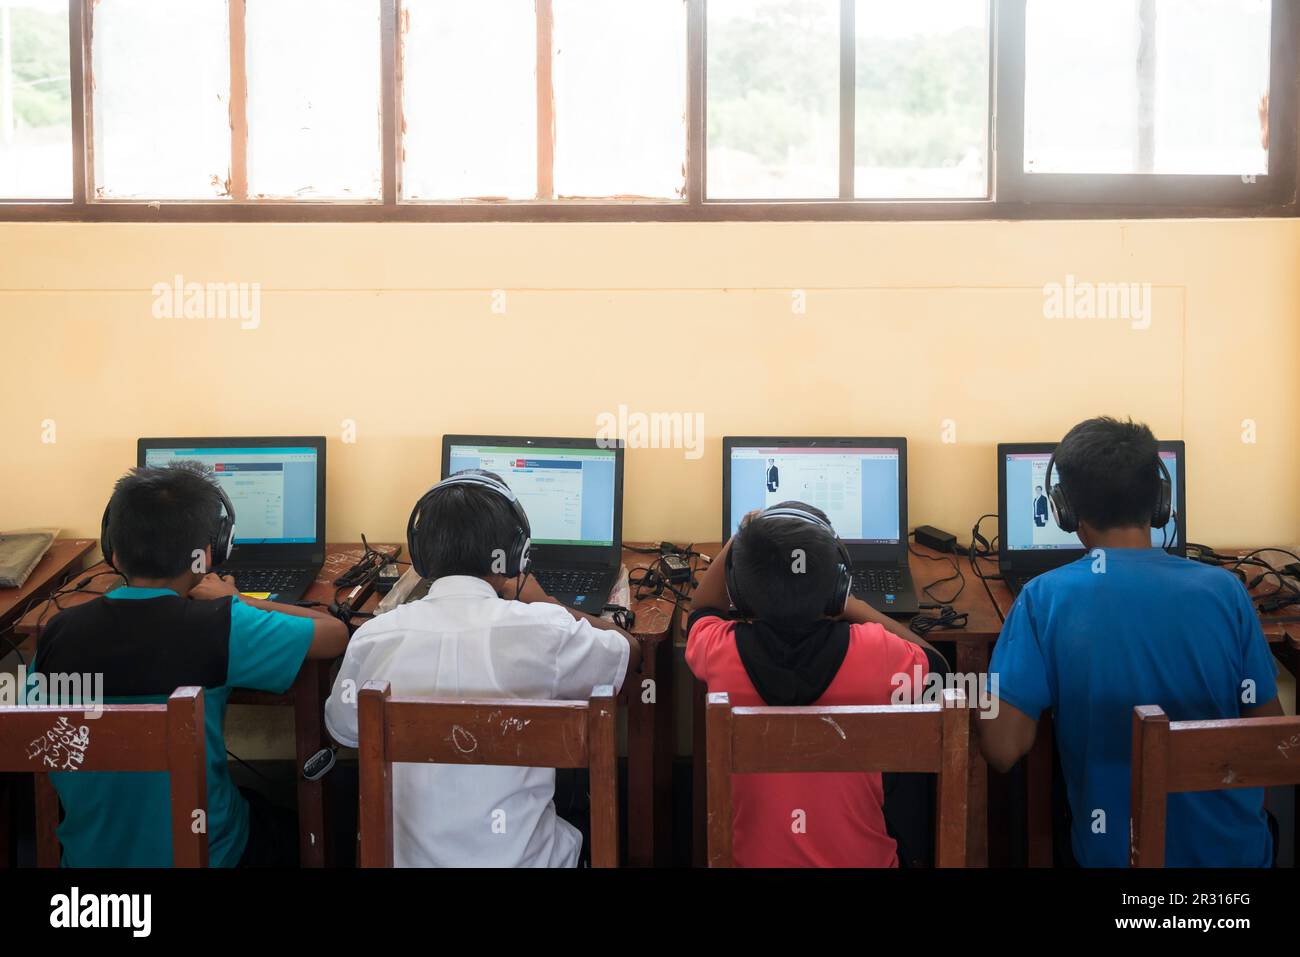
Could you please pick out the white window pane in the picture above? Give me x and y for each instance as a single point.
(773, 99)
(469, 99)
(620, 98)
(35, 100)
(1093, 104)
(921, 99)
(313, 98)
(162, 98)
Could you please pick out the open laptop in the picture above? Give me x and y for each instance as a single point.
(1029, 541)
(572, 492)
(861, 485)
(277, 485)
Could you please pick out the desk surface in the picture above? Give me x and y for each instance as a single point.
(63, 558)
(653, 615)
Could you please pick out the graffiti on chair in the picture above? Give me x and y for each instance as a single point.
(63, 747)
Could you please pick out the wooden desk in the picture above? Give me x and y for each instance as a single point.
(64, 559)
(649, 727)
(972, 652)
(1281, 635)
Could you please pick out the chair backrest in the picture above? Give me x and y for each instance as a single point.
(927, 737)
(1174, 756)
(509, 732)
(123, 737)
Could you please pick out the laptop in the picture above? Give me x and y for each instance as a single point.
(572, 492)
(1029, 541)
(277, 486)
(861, 485)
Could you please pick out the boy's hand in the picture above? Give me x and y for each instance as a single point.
(750, 516)
(528, 593)
(213, 586)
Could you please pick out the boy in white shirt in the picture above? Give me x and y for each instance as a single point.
(485, 630)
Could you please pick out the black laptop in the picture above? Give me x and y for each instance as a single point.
(277, 486)
(861, 485)
(572, 492)
(1029, 541)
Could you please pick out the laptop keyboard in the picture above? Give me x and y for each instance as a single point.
(886, 580)
(562, 581)
(272, 580)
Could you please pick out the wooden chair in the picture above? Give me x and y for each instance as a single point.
(511, 732)
(1175, 756)
(928, 738)
(125, 737)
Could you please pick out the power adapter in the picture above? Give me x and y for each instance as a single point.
(935, 538)
(675, 568)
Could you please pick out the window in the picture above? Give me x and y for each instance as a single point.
(1147, 86)
(465, 110)
(469, 99)
(161, 105)
(922, 99)
(313, 103)
(619, 77)
(35, 100)
(906, 97)
(773, 99)
(543, 99)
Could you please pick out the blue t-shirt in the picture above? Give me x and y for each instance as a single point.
(1127, 627)
(123, 819)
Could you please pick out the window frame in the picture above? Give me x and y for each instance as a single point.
(1014, 194)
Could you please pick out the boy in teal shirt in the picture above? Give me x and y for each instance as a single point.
(169, 626)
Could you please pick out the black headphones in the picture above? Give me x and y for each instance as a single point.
(222, 542)
(1067, 521)
(838, 598)
(516, 559)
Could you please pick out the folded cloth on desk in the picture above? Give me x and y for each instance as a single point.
(20, 552)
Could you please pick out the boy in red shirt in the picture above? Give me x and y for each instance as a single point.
(802, 640)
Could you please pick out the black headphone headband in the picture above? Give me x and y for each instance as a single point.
(516, 562)
(222, 542)
(1068, 521)
(838, 598)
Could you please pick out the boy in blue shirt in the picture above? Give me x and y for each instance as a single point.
(1128, 624)
(172, 625)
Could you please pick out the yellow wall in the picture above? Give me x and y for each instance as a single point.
(907, 325)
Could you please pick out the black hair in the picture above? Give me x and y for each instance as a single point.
(1110, 472)
(159, 517)
(464, 529)
(764, 563)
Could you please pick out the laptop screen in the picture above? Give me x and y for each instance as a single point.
(567, 493)
(273, 489)
(1029, 524)
(857, 488)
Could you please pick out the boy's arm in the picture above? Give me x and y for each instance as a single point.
(329, 635)
(533, 592)
(1006, 738)
(858, 612)
(1269, 709)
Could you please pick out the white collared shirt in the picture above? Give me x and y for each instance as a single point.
(463, 641)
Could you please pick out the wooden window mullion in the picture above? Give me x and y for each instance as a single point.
(545, 102)
(848, 96)
(390, 93)
(696, 107)
(83, 147)
(238, 102)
